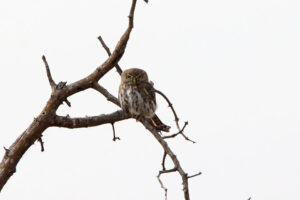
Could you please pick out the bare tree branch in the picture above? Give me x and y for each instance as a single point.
(162, 186)
(176, 119)
(180, 133)
(60, 94)
(148, 125)
(163, 161)
(67, 102)
(105, 93)
(85, 122)
(119, 70)
(175, 134)
(177, 165)
(114, 133)
(42, 143)
(171, 106)
(192, 176)
(50, 79)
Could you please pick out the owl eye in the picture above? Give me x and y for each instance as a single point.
(128, 76)
(140, 77)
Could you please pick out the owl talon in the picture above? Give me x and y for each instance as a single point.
(138, 117)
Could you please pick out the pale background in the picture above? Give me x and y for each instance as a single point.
(231, 68)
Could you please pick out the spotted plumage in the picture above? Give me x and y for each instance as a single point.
(137, 97)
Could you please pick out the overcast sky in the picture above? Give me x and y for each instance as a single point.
(231, 68)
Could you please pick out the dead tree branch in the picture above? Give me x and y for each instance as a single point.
(181, 133)
(175, 134)
(119, 70)
(58, 96)
(147, 124)
(167, 151)
(177, 165)
(50, 79)
(61, 91)
(163, 161)
(171, 106)
(42, 143)
(85, 122)
(192, 176)
(105, 93)
(114, 133)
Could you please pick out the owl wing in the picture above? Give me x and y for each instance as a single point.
(147, 90)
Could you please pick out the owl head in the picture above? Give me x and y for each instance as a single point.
(134, 76)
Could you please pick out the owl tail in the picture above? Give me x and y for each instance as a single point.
(159, 125)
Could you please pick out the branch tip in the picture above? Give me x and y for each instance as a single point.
(114, 132)
(40, 140)
(162, 186)
(50, 79)
(67, 102)
(192, 176)
(8, 152)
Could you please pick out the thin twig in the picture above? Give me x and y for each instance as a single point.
(48, 117)
(180, 133)
(68, 102)
(148, 125)
(7, 152)
(164, 171)
(114, 132)
(168, 170)
(162, 186)
(175, 134)
(84, 122)
(105, 93)
(131, 13)
(173, 157)
(163, 161)
(50, 79)
(42, 143)
(192, 176)
(118, 68)
(171, 106)
(164, 144)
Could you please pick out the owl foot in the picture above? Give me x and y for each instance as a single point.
(138, 117)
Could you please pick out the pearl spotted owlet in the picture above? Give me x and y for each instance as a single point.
(137, 97)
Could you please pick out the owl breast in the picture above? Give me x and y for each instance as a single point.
(137, 101)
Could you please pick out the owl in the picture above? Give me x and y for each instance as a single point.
(137, 97)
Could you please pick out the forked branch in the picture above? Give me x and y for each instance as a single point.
(60, 93)
(148, 125)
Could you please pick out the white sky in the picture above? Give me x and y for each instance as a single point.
(231, 68)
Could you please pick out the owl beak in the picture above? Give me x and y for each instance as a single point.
(133, 80)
